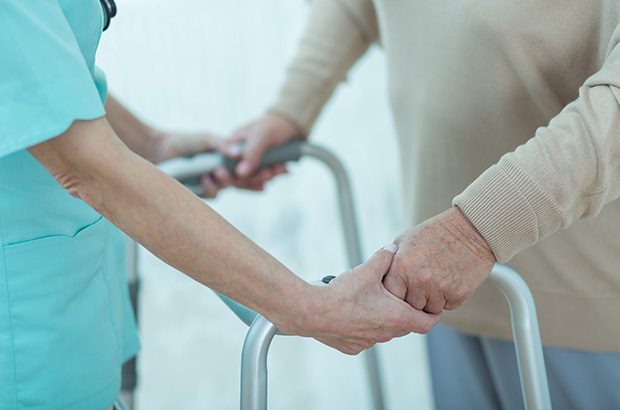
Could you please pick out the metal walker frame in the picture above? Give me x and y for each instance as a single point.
(261, 332)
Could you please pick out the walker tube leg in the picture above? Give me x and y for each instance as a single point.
(526, 335)
(254, 364)
(129, 373)
(354, 254)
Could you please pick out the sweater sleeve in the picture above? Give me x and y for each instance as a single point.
(337, 34)
(569, 170)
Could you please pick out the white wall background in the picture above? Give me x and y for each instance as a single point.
(213, 65)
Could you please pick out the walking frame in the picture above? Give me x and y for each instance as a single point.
(261, 332)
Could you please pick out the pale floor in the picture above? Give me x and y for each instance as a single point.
(211, 64)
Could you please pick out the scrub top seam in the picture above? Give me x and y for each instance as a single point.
(8, 303)
(56, 235)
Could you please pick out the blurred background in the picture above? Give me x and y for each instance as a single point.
(213, 65)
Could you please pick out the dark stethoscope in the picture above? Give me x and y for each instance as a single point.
(109, 11)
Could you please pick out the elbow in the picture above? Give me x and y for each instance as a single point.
(74, 182)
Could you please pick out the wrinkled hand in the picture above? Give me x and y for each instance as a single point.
(256, 137)
(439, 263)
(355, 311)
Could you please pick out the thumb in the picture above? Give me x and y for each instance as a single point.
(380, 262)
(251, 157)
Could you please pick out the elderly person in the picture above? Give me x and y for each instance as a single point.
(64, 173)
(510, 112)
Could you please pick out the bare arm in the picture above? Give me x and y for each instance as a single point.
(138, 136)
(91, 163)
(152, 144)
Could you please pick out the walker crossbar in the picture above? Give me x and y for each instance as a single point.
(187, 171)
(525, 330)
(525, 327)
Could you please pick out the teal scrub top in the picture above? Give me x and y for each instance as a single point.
(66, 324)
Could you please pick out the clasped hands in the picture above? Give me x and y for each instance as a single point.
(403, 288)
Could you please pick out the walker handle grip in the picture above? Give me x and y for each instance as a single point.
(188, 170)
(280, 154)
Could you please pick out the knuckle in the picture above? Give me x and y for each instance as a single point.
(424, 328)
(459, 297)
(355, 351)
(383, 339)
(346, 350)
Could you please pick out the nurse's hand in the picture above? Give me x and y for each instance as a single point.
(178, 144)
(355, 311)
(268, 131)
(174, 144)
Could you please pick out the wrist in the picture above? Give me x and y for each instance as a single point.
(299, 309)
(159, 147)
(470, 234)
(287, 123)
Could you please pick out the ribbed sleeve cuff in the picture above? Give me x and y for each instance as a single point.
(509, 209)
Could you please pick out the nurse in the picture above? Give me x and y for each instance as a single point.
(65, 326)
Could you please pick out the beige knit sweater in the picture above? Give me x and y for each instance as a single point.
(512, 107)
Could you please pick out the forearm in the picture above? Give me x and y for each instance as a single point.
(167, 219)
(569, 170)
(139, 137)
(337, 34)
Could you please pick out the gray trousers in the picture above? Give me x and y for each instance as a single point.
(479, 373)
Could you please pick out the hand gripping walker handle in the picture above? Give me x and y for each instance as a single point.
(526, 334)
(188, 170)
(290, 151)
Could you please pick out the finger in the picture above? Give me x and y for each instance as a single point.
(208, 186)
(380, 262)
(279, 169)
(209, 142)
(354, 349)
(417, 300)
(252, 155)
(435, 303)
(344, 346)
(254, 186)
(421, 322)
(249, 185)
(395, 284)
(241, 133)
(263, 176)
(222, 177)
(232, 150)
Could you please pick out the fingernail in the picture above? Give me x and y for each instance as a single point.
(243, 169)
(391, 248)
(233, 150)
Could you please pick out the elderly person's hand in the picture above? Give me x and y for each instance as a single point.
(248, 144)
(355, 311)
(439, 263)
